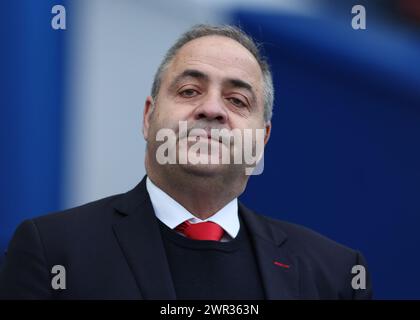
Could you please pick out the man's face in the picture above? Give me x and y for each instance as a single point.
(212, 83)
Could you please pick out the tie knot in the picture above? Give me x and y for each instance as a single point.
(201, 231)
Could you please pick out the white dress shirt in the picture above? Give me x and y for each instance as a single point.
(171, 213)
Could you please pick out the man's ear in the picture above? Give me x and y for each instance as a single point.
(147, 113)
(267, 132)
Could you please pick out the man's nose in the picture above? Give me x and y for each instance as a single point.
(212, 109)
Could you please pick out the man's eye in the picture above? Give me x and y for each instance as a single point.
(188, 93)
(237, 102)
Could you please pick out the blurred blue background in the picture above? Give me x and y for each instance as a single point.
(343, 158)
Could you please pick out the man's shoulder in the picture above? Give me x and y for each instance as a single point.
(101, 211)
(87, 210)
(301, 238)
(324, 264)
(70, 233)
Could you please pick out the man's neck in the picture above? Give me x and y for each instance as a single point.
(201, 195)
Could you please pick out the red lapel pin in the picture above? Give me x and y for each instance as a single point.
(287, 266)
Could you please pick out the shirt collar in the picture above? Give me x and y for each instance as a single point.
(171, 213)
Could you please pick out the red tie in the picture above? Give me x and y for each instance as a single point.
(201, 231)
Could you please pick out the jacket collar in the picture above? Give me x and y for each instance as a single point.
(138, 235)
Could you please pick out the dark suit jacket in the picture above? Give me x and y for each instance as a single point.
(112, 249)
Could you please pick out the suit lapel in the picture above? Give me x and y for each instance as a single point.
(278, 268)
(139, 237)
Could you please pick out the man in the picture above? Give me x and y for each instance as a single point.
(181, 232)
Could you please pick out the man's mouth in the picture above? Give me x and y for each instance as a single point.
(205, 135)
